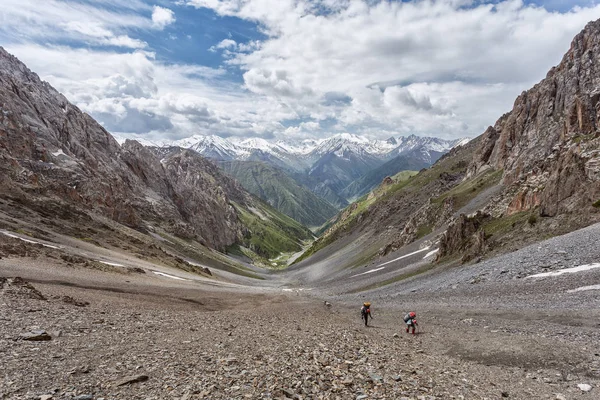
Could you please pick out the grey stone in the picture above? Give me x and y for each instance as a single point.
(84, 397)
(584, 387)
(36, 336)
(375, 377)
(131, 379)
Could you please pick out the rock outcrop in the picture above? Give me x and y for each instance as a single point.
(204, 196)
(464, 236)
(549, 144)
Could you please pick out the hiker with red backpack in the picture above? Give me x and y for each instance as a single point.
(365, 312)
(411, 321)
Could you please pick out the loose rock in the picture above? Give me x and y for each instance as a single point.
(132, 379)
(36, 336)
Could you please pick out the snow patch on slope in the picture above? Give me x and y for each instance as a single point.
(572, 270)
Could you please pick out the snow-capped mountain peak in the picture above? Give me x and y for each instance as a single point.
(461, 142)
(408, 143)
(257, 144)
(300, 147)
(212, 146)
(300, 154)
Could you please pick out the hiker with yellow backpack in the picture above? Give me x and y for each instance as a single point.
(365, 312)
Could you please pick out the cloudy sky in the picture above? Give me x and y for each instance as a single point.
(168, 69)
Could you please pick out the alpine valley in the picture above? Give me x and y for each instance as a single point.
(213, 268)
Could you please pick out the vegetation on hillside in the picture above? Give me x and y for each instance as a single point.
(399, 164)
(269, 234)
(280, 191)
(349, 217)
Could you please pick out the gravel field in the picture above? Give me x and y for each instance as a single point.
(483, 333)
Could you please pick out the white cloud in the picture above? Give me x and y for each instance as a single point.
(162, 17)
(133, 94)
(249, 46)
(123, 41)
(449, 66)
(276, 83)
(96, 33)
(302, 131)
(436, 67)
(26, 20)
(224, 44)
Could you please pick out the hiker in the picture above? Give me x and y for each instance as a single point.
(411, 321)
(365, 312)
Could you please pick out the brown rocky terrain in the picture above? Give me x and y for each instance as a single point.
(145, 338)
(118, 329)
(548, 145)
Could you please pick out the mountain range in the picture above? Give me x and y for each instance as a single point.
(338, 169)
(300, 155)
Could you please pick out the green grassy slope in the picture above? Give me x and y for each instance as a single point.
(280, 191)
(390, 206)
(368, 182)
(350, 216)
(270, 233)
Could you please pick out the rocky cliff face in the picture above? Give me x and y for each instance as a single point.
(50, 148)
(549, 144)
(204, 196)
(465, 235)
(51, 152)
(548, 149)
(187, 194)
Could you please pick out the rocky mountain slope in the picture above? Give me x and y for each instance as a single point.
(53, 156)
(481, 329)
(350, 166)
(534, 174)
(320, 188)
(282, 192)
(548, 145)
